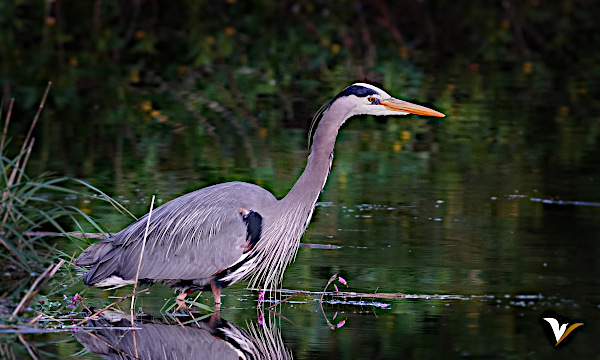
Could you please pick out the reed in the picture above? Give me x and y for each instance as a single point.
(31, 206)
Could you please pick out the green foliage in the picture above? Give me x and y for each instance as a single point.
(34, 206)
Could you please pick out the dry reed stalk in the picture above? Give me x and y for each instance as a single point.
(83, 304)
(26, 344)
(33, 286)
(137, 273)
(283, 317)
(14, 253)
(4, 193)
(37, 115)
(50, 276)
(26, 142)
(35, 319)
(6, 122)
(180, 323)
(109, 306)
(18, 169)
(284, 300)
(25, 160)
(43, 278)
(22, 168)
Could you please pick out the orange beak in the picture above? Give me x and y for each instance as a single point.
(405, 106)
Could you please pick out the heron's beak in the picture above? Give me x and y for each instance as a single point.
(406, 107)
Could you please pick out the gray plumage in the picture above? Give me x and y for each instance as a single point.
(211, 338)
(222, 234)
(184, 239)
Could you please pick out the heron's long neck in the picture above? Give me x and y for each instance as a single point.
(280, 238)
(305, 192)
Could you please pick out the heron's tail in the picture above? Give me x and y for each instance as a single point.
(102, 257)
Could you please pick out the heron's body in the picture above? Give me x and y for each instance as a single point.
(225, 233)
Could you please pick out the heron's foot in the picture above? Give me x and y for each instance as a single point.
(180, 301)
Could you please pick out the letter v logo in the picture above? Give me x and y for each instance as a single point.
(560, 333)
(559, 325)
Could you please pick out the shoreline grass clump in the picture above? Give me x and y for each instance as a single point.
(30, 208)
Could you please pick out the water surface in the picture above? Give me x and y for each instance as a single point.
(485, 220)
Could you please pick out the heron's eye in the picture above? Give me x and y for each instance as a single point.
(372, 99)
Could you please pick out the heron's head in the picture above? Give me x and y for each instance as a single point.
(366, 99)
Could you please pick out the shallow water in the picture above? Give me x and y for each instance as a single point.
(479, 224)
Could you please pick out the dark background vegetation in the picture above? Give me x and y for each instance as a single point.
(123, 71)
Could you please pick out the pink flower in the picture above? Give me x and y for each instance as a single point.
(335, 287)
(261, 296)
(383, 306)
(74, 301)
(261, 320)
(334, 316)
(340, 324)
(342, 280)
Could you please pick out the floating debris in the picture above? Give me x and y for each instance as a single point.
(566, 202)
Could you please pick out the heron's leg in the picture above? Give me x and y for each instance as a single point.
(216, 290)
(180, 299)
(215, 319)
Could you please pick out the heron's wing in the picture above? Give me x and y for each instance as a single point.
(188, 250)
(191, 237)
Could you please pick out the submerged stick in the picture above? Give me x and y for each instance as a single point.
(57, 234)
(284, 300)
(109, 306)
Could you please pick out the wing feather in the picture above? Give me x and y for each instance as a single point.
(189, 238)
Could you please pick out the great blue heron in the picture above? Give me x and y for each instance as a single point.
(222, 234)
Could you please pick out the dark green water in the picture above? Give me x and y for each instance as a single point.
(489, 218)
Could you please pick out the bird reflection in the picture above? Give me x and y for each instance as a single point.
(168, 338)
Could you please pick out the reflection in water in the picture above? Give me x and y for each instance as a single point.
(167, 337)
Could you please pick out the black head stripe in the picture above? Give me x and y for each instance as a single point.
(357, 90)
